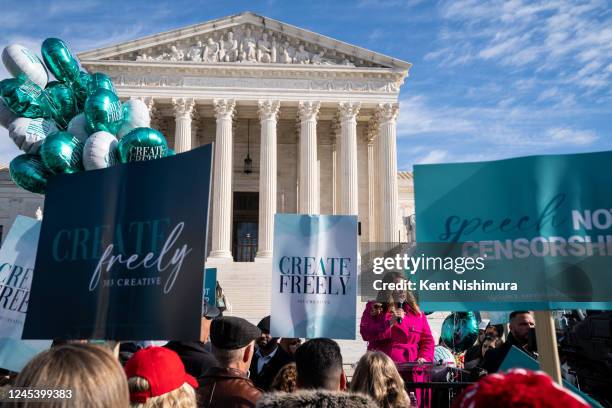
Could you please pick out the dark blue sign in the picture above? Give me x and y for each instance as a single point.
(121, 251)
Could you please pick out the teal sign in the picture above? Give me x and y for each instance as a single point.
(210, 286)
(527, 233)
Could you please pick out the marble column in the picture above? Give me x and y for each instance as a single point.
(372, 224)
(195, 122)
(387, 165)
(349, 188)
(309, 180)
(268, 116)
(154, 113)
(183, 109)
(222, 185)
(335, 131)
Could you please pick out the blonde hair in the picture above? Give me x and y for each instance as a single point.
(92, 373)
(386, 296)
(377, 376)
(286, 379)
(182, 397)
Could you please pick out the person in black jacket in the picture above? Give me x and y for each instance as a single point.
(196, 355)
(269, 357)
(522, 324)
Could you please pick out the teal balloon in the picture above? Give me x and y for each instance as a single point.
(170, 152)
(64, 102)
(142, 144)
(459, 331)
(103, 112)
(26, 99)
(80, 88)
(59, 60)
(99, 80)
(62, 153)
(29, 173)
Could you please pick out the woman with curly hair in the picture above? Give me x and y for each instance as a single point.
(285, 379)
(377, 376)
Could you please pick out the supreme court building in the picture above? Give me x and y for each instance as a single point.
(301, 123)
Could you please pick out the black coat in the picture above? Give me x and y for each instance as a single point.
(495, 357)
(194, 355)
(264, 379)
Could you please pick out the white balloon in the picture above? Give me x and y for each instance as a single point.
(77, 127)
(136, 115)
(19, 61)
(6, 114)
(99, 151)
(28, 134)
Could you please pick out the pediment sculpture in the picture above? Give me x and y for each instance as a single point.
(246, 44)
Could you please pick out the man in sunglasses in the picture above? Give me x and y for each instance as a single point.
(196, 355)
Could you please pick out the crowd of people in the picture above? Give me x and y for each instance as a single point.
(238, 364)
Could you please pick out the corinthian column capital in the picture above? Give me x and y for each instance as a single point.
(268, 110)
(224, 108)
(348, 110)
(387, 112)
(308, 110)
(183, 107)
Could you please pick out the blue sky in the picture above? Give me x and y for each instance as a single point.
(490, 79)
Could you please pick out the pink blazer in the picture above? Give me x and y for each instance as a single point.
(404, 342)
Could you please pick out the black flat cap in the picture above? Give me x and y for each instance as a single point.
(231, 333)
(264, 324)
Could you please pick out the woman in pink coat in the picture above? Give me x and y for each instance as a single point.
(395, 325)
(403, 332)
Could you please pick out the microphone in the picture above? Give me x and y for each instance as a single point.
(399, 305)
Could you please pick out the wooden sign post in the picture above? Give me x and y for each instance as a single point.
(547, 344)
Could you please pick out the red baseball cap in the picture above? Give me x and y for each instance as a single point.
(162, 368)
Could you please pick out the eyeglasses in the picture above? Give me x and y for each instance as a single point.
(377, 306)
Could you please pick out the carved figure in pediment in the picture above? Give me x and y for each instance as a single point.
(228, 49)
(242, 53)
(301, 56)
(195, 52)
(273, 51)
(160, 57)
(176, 54)
(211, 51)
(286, 57)
(141, 57)
(347, 62)
(264, 49)
(249, 45)
(288, 53)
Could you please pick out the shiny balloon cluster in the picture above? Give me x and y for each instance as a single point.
(72, 124)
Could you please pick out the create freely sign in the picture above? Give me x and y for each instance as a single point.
(314, 276)
(17, 257)
(531, 233)
(121, 250)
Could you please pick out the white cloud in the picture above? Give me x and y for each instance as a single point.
(542, 35)
(509, 129)
(572, 136)
(434, 156)
(417, 117)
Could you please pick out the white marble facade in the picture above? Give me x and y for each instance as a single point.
(322, 119)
